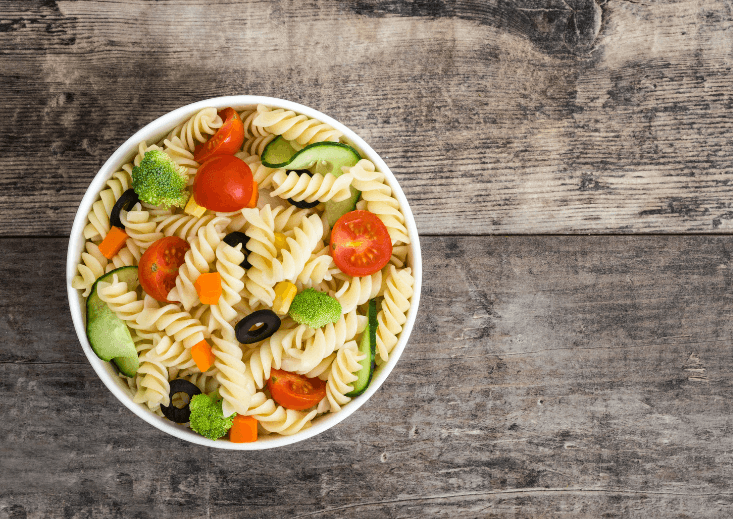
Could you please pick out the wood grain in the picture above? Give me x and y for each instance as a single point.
(546, 377)
(497, 117)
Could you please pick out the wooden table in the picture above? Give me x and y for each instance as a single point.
(569, 164)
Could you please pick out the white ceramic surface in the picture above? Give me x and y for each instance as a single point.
(152, 133)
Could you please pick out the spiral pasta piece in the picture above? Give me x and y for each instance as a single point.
(287, 219)
(298, 250)
(321, 370)
(248, 115)
(153, 388)
(319, 267)
(392, 316)
(197, 260)
(341, 376)
(123, 302)
(262, 252)
(357, 291)
(276, 419)
(128, 256)
(184, 226)
(311, 188)
(170, 353)
(98, 216)
(235, 384)
(176, 323)
(228, 261)
(294, 127)
(196, 129)
(303, 355)
(270, 353)
(379, 199)
(139, 227)
(256, 145)
(92, 265)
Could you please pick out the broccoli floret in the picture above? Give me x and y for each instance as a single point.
(160, 181)
(207, 417)
(315, 308)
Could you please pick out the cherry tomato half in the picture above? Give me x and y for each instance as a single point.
(223, 183)
(360, 243)
(158, 267)
(226, 141)
(296, 392)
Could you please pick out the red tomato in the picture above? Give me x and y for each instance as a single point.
(296, 392)
(226, 141)
(223, 183)
(158, 267)
(360, 243)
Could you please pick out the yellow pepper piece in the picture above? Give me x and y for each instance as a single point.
(280, 241)
(194, 209)
(284, 293)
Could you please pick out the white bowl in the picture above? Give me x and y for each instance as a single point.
(154, 132)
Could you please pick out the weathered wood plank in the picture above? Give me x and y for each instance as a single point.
(546, 377)
(497, 117)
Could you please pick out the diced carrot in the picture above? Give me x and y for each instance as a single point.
(208, 287)
(255, 195)
(203, 356)
(113, 242)
(244, 430)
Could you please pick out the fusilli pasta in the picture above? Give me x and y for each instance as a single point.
(342, 375)
(293, 127)
(394, 307)
(197, 260)
(379, 199)
(197, 129)
(276, 419)
(311, 188)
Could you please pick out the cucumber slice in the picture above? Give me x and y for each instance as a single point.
(127, 365)
(328, 157)
(278, 153)
(108, 335)
(367, 347)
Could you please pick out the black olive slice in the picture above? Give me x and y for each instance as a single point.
(180, 414)
(126, 200)
(303, 204)
(267, 318)
(233, 239)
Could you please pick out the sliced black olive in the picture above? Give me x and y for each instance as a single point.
(303, 204)
(267, 318)
(233, 239)
(180, 414)
(126, 200)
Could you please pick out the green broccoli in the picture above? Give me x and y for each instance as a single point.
(160, 181)
(207, 416)
(314, 308)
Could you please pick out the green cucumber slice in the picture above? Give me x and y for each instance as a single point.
(278, 153)
(367, 347)
(108, 335)
(128, 366)
(328, 157)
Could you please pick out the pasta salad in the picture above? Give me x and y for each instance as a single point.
(247, 273)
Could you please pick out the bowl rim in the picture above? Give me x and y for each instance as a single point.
(152, 132)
